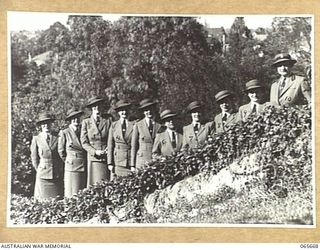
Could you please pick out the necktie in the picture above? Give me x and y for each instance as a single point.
(282, 84)
(124, 127)
(196, 128)
(98, 121)
(78, 133)
(150, 127)
(224, 118)
(48, 138)
(254, 108)
(173, 140)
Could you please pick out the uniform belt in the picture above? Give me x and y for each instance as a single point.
(46, 160)
(122, 146)
(145, 146)
(74, 154)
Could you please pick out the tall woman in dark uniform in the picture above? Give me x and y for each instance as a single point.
(94, 139)
(46, 160)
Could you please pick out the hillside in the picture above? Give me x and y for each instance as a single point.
(257, 172)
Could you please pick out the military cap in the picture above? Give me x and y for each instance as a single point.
(45, 117)
(121, 105)
(167, 114)
(193, 106)
(146, 103)
(283, 58)
(253, 84)
(222, 94)
(73, 113)
(94, 100)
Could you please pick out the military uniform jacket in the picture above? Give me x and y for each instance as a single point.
(191, 140)
(296, 89)
(142, 143)
(220, 127)
(95, 137)
(45, 158)
(246, 110)
(119, 146)
(71, 151)
(163, 144)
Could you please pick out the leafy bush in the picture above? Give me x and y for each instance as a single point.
(282, 166)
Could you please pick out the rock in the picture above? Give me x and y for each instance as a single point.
(235, 176)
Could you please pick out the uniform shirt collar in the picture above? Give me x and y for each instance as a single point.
(254, 103)
(45, 135)
(196, 123)
(123, 120)
(226, 113)
(95, 118)
(170, 131)
(73, 128)
(148, 120)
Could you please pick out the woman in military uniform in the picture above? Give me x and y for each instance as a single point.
(73, 155)
(46, 160)
(169, 141)
(119, 141)
(94, 139)
(196, 133)
(143, 135)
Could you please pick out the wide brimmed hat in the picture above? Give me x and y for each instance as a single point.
(281, 58)
(253, 84)
(121, 105)
(72, 113)
(94, 100)
(193, 105)
(222, 94)
(165, 114)
(45, 117)
(146, 103)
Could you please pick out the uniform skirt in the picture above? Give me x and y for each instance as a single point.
(73, 182)
(97, 171)
(46, 189)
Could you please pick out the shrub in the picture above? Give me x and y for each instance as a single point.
(272, 134)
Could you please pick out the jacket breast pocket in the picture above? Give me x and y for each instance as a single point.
(69, 162)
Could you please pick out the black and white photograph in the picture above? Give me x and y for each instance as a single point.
(160, 120)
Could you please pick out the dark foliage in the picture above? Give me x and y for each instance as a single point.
(265, 133)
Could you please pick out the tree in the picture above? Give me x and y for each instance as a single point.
(82, 69)
(243, 61)
(167, 58)
(56, 39)
(291, 35)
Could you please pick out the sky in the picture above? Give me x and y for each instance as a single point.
(42, 20)
(39, 21)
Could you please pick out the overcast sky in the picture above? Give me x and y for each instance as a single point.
(40, 21)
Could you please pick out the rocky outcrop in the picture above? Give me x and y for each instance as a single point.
(236, 176)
